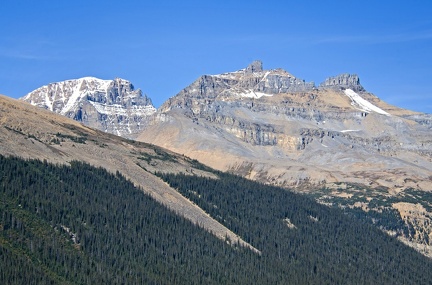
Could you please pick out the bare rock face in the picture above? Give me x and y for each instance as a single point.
(112, 106)
(351, 81)
(251, 82)
(255, 66)
(272, 121)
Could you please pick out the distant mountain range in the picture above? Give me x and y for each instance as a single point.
(335, 141)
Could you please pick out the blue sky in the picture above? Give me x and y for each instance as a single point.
(163, 46)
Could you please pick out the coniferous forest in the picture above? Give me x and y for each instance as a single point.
(76, 224)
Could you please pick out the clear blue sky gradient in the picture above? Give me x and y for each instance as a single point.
(163, 46)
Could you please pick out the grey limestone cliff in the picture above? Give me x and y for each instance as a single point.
(256, 66)
(345, 80)
(251, 82)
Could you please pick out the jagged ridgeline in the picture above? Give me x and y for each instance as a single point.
(82, 225)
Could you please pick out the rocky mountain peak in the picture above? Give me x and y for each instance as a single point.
(251, 82)
(345, 80)
(255, 66)
(113, 106)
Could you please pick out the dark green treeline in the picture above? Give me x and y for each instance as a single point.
(82, 225)
(314, 243)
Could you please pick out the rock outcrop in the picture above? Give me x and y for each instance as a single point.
(255, 66)
(113, 106)
(345, 81)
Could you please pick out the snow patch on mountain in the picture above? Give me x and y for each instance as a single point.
(347, 131)
(362, 104)
(72, 101)
(253, 94)
(120, 110)
(48, 102)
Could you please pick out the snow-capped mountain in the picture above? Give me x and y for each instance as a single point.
(113, 106)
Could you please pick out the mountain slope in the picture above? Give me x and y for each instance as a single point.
(31, 132)
(272, 127)
(76, 224)
(319, 134)
(112, 106)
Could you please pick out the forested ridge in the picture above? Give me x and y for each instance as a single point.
(303, 238)
(78, 224)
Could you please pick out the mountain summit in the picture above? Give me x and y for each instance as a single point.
(274, 127)
(251, 82)
(113, 106)
(255, 82)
